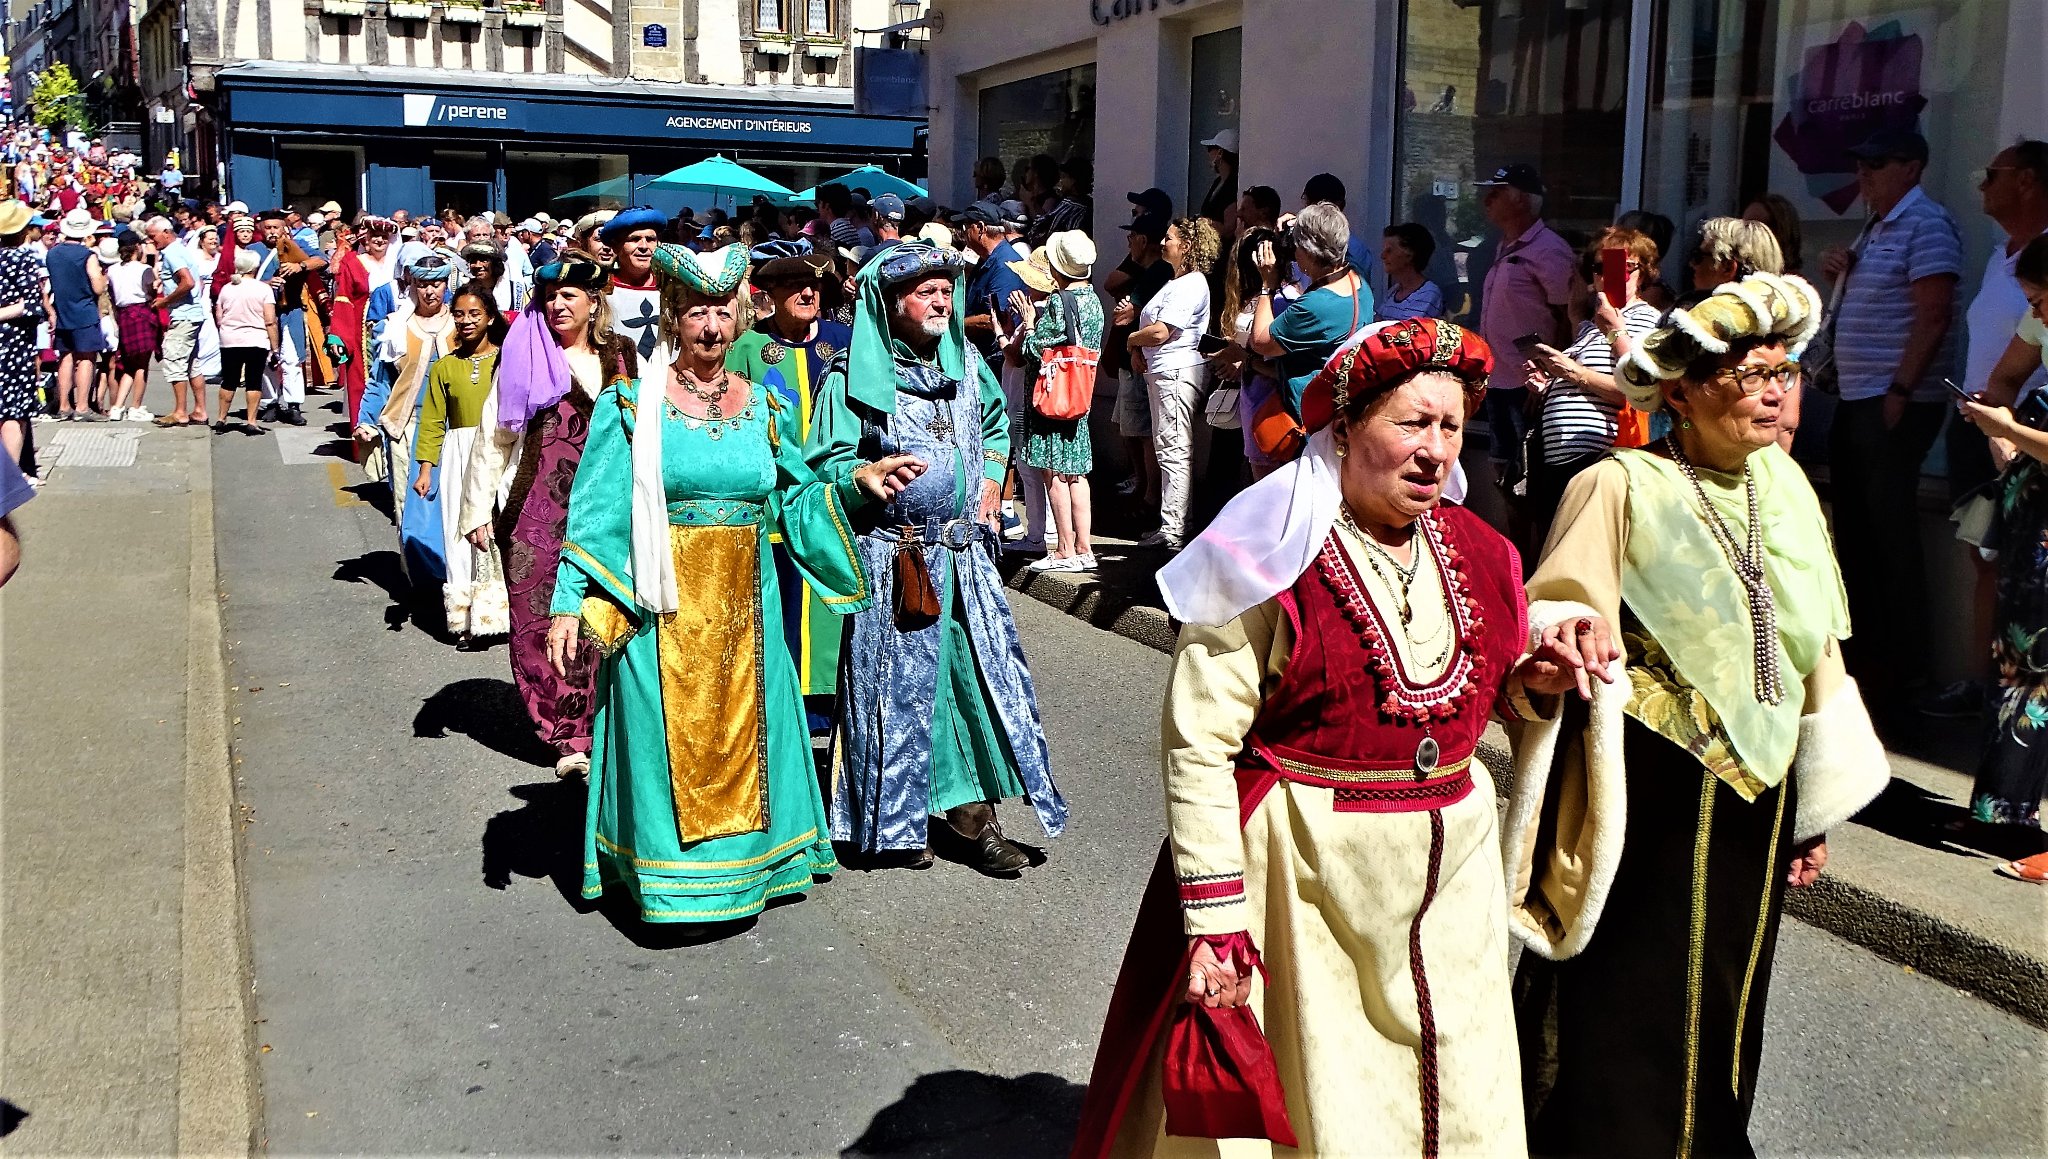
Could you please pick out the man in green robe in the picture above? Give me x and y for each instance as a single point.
(938, 717)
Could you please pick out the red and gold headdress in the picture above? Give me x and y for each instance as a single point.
(1391, 354)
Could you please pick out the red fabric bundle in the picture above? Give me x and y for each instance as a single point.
(1220, 1078)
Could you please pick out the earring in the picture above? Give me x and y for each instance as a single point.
(1685, 425)
(1340, 450)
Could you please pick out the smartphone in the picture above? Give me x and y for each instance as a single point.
(1212, 344)
(1959, 392)
(1528, 341)
(1614, 276)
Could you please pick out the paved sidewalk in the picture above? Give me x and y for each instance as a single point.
(123, 971)
(1898, 882)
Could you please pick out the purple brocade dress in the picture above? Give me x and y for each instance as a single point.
(530, 532)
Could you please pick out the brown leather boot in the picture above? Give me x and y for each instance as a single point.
(979, 841)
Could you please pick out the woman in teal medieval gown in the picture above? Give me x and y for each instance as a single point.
(703, 801)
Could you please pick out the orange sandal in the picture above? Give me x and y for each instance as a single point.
(2034, 869)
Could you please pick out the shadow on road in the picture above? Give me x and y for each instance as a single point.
(967, 1113)
(488, 712)
(408, 606)
(541, 838)
(10, 1117)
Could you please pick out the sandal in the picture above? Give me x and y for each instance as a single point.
(169, 421)
(2033, 869)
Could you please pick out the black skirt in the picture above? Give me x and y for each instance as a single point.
(1647, 1042)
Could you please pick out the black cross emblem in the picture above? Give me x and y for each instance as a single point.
(648, 323)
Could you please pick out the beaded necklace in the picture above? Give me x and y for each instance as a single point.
(1748, 565)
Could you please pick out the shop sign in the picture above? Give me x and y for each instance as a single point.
(1109, 11)
(654, 36)
(1851, 82)
(425, 110)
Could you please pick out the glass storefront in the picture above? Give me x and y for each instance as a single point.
(1215, 72)
(1486, 83)
(1768, 96)
(1052, 114)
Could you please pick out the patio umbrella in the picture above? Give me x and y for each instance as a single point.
(717, 175)
(874, 179)
(619, 189)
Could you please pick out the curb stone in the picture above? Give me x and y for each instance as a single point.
(217, 1092)
(2010, 979)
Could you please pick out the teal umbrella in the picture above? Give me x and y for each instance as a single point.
(717, 175)
(873, 179)
(619, 189)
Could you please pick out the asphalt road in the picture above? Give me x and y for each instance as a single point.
(428, 983)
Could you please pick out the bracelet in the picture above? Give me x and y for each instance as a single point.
(993, 457)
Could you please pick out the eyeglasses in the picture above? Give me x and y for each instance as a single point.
(1986, 175)
(1753, 379)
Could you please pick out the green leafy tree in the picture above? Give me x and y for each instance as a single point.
(56, 102)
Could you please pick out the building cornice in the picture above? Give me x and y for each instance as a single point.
(526, 83)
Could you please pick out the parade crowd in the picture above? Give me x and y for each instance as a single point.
(733, 487)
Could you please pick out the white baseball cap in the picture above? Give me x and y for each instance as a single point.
(238, 207)
(1225, 140)
(530, 225)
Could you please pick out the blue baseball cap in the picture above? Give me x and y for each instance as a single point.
(888, 207)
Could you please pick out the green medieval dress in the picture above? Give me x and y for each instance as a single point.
(703, 801)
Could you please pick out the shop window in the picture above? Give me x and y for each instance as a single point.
(1214, 72)
(1768, 96)
(1052, 114)
(817, 17)
(1486, 83)
(768, 16)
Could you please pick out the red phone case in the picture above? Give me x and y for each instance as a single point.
(1614, 276)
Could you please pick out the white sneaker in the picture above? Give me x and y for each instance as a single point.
(573, 765)
(137, 414)
(117, 414)
(1071, 563)
(1085, 562)
(1044, 563)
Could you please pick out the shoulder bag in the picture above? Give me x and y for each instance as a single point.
(1066, 373)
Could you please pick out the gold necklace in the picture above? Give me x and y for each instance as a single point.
(707, 393)
(1402, 584)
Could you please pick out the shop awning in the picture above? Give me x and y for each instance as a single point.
(720, 176)
(872, 179)
(619, 189)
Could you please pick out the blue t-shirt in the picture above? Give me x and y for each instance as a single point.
(994, 277)
(78, 308)
(176, 257)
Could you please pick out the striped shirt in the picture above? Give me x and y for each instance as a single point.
(1917, 239)
(1576, 421)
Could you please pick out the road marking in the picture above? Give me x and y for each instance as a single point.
(296, 446)
(343, 497)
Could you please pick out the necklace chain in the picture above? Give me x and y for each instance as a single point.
(1748, 565)
(1406, 580)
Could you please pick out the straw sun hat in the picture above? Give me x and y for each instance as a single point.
(1064, 260)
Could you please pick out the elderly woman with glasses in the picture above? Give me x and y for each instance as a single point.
(1653, 832)
(1336, 303)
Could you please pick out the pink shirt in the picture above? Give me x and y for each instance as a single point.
(1529, 275)
(240, 314)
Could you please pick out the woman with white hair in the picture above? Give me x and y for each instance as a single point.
(1304, 337)
(246, 313)
(1653, 832)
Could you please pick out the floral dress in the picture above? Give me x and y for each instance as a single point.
(1060, 445)
(2013, 774)
(19, 283)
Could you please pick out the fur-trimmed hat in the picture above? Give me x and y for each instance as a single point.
(1779, 307)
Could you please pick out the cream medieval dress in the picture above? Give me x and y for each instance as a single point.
(1648, 839)
(1300, 810)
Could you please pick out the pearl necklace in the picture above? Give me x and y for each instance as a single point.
(1749, 568)
(1406, 575)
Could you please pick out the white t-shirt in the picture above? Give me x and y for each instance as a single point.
(134, 283)
(1184, 306)
(1993, 316)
